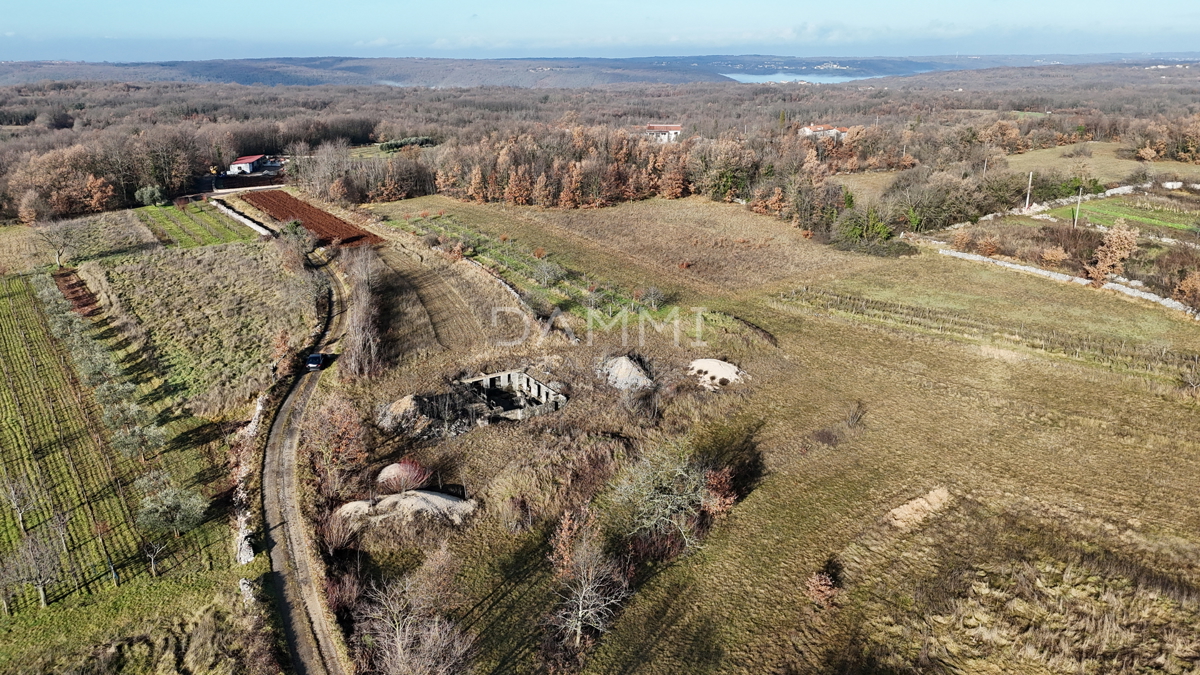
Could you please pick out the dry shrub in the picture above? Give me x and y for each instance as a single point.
(408, 475)
(963, 241)
(424, 214)
(539, 253)
(1119, 243)
(820, 589)
(721, 496)
(1054, 256)
(989, 245)
(827, 436)
(336, 533)
(343, 591)
(807, 234)
(684, 265)
(504, 237)
(1188, 290)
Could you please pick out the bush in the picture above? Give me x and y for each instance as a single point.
(418, 141)
(150, 195)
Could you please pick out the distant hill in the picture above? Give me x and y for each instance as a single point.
(549, 72)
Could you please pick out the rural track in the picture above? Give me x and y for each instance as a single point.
(454, 324)
(311, 635)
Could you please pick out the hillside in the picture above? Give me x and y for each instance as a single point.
(540, 72)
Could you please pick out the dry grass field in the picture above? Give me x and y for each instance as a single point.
(1077, 467)
(1104, 164)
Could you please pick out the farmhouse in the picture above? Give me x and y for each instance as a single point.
(824, 131)
(663, 133)
(247, 164)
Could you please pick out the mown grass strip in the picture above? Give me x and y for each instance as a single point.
(199, 234)
(182, 238)
(224, 227)
(155, 229)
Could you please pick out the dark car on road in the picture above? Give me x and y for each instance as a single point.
(317, 361)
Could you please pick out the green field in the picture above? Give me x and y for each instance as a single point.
(194, 225)
(52, 437)
(1050, 412)
(1137, 212)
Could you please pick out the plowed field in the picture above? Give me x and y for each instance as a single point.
(283, 207)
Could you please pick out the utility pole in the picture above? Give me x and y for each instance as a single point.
(1029, 191)
(1078, 203)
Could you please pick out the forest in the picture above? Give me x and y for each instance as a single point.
(68, 148)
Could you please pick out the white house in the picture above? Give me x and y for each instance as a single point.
(664, 133)
(247, 164)
(824, 131)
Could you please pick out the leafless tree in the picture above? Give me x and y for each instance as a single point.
(61, 523)
(592, 586)
(662, 494)
(362, 356)
(61, 238)
(39, 564)
(22, 496)
(407, 631)
(10, 579)
(153, 549)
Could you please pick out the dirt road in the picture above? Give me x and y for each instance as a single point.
(310, 632)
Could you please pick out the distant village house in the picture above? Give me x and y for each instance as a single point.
(248, 164)
(824, 131)
(664, 133)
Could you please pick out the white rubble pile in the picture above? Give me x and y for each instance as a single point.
(625, 374)
(713, 374)
(406, 505)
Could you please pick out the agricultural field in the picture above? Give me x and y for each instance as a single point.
(196, 224)
(81, 504)
(1166, 215)
(1019, 433)
(326, 227)
(214, 332)
(1106, 163)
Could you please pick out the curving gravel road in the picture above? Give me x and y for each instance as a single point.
(309, 628)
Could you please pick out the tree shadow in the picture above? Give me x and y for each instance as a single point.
(665, 631)
(505, 618)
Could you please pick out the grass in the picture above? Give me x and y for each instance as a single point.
(1088, 444)
(52, 433)
(1138, 211)
(868, 185)
(213, 325)
(193, 225)
(1104, 164)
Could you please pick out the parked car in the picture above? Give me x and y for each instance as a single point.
(317, 361)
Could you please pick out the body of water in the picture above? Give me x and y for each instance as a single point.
(819, 78)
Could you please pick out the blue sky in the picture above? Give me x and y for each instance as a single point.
(144, 30)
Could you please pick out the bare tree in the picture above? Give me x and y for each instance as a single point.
(10, 579)
(22, 496)
(363, 355)
(39, 564)
(61, 523)
(408, 634)
(662, 494)
(592, 585)
(61, 238)
(153, 549)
